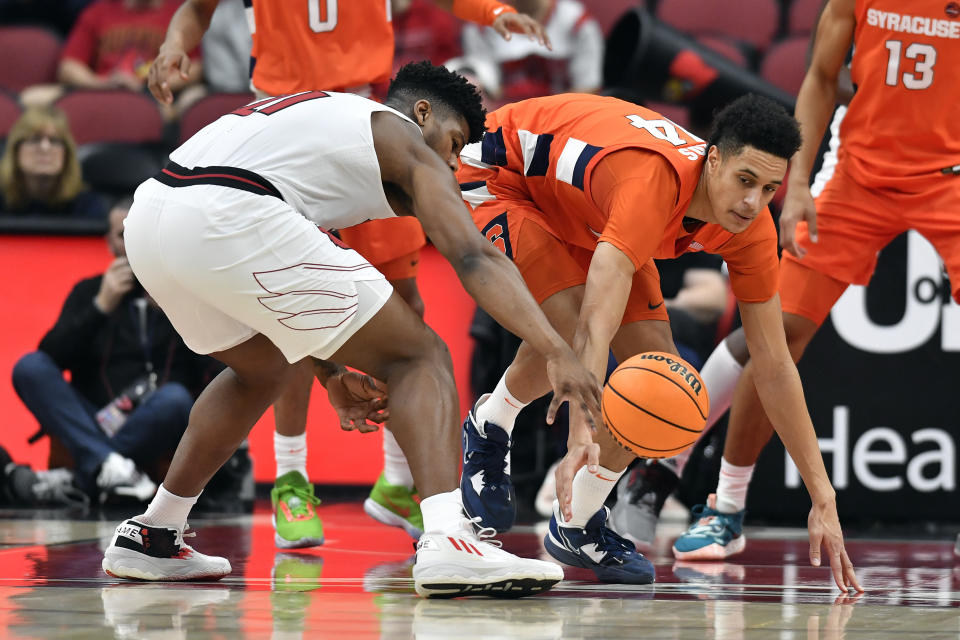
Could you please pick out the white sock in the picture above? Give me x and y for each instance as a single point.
(443, 512)
(589, 492)
(168, 509)
(732, 487)
(720, 374)
(396, 471)
(290, 453)
(500, 407)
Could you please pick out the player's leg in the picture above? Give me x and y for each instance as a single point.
(393, 247)
(296, 523)
(717, 530)
(643, 330)
(556, 281)
(393, 500)
(398, 348)
(150, 546)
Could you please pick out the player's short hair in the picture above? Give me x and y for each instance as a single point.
(756, 121)
(442, 88)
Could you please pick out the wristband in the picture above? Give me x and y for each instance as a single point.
(482, 12)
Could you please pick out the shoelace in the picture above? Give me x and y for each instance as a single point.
(483, 534)
(180, 535)
(610, 541)
(305, 496)
(494, 456)
(710, 524)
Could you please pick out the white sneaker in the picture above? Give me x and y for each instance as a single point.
(466, 563)
(119, 476)
(543, 503)
(147, 552)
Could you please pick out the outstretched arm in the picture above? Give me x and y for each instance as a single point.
(407, 163)
(503, 18)
(172, 65)
(780, 391)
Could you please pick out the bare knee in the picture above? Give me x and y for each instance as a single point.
(799, 332)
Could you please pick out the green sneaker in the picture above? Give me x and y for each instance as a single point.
(295, 517)
(395, 505)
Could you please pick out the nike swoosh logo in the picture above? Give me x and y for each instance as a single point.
(403, 511)
(654, 306)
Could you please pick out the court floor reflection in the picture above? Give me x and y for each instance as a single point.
(359, 586)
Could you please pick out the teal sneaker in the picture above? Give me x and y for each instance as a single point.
(396, 506)
(295, 518)
(713, 535)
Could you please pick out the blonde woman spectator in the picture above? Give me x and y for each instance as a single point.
(40, 173)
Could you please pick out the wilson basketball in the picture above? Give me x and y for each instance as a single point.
(655, 404)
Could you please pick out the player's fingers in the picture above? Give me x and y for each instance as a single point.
(554, 407)
(815, 540)
(564, 479)
(812, 226)
(850, 574)
(836, 567)
(593, 457)
(183, 64)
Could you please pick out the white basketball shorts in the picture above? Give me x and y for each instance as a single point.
(225, 264)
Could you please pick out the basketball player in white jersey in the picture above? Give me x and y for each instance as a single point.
(226, 240)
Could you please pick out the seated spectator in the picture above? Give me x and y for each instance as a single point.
(129, 396)
(40, 173)
(519, 68)
(111, 46)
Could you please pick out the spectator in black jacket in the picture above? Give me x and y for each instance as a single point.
(127, 401)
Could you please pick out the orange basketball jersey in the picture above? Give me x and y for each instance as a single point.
(320, 44)
(903, 124)
(545, 150)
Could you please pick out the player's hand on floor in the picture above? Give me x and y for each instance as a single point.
(823, 525)
(510, 23)
(357, 399)
(797, 207)
(168, 61)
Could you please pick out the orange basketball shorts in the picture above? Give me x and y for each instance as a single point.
(853, 224)
(391, 245)
(550, 265)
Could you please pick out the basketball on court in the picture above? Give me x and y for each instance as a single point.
(655, 404)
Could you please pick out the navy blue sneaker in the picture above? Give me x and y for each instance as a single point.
(485, 482)
(596, 547)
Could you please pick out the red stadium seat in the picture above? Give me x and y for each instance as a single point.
(752, 21)
(724, 47)
(112, 116)
(607, 12)
(786, 63)
(802, 18)
(208, 109)
(30, 56)
(9, 112)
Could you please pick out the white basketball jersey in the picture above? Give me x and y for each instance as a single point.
(315, 147)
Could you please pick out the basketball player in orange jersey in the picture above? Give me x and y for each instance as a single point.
(582, 192)
(336, 46)
(899, 144)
